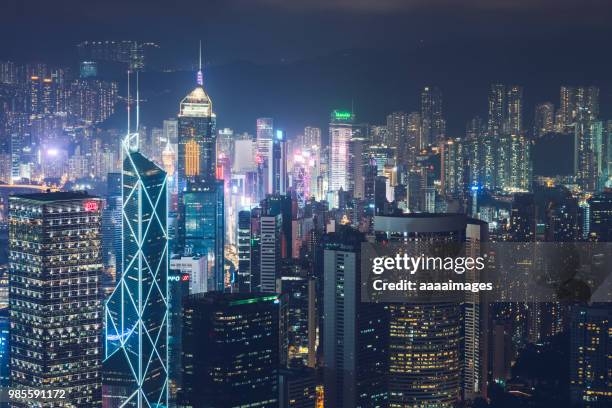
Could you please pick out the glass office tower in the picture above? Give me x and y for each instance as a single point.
(54, 294)
(205, 228)
(137, 311)
(230, 350)
(197, 150)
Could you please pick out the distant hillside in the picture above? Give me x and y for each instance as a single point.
(375, 82)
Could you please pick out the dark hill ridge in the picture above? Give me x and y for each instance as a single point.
(376, 82)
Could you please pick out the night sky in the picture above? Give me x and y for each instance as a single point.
(296, 60)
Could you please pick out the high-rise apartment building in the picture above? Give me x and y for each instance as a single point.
(515, 110)
(432, 120)
(576, 103)
(590, 356)
(453, 160)
(397, 126)
(497, 110)
(544, 119)
(588, 154)
(523, 218)
(600, 216)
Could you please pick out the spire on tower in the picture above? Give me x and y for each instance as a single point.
(132, 139)
(137, 104)
(200, 76)
(128, 102)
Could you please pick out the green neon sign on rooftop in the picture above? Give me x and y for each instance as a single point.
(342, 115)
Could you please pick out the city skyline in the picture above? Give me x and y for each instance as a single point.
(213, 210)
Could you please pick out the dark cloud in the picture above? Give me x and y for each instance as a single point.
(550, 7)
(266, 30)
(101, 9)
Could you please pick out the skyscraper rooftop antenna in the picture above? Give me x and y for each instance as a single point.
(137, 104)
(200, 76)
(131, 140)
(128, 102)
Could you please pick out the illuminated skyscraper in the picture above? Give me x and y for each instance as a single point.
(303, 167)
(513, 163)
(269, 268)
(505, 155)
(432, 121)
(5, 373)
(205, 227)
(497, 109)
(231, 350)
(111, 224)
(197, 147)
(475, 359)
(225, 142)
(312, 137)
(453, 162)
(415, 140)
(523, 218)
(354, 332)
(588, 158)
(397, 126)
(430, 344)
(340, 134)
(91, 99)
(279, 163)
(590, 356)
(55, 294)
(475, 135)
(600, 216)
(565, 114)
(587, 103)
(298, 294)
(544, 119)
(515, 110)
(357, 155)
(170, 131)
(265, 136)
(244, 251)
(197, 138)
(136, 319)
(43, 94)
(576, 103)
(169, 159)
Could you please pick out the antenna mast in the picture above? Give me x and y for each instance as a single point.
(137, 104)
(200, 76)
(128, 103)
